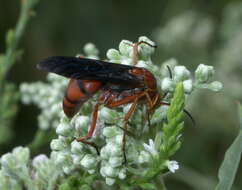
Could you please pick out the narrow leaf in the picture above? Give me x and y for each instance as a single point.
(229, 167)
(240, 115)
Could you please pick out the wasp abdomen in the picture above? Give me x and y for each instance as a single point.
(78, 92)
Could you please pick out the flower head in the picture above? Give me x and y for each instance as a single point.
(172, 165)
(150, 147)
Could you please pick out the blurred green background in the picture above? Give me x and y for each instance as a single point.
(194, 32)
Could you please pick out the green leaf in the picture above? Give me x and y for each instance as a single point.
(10, 37)
(138, 172)
(172, 130)
(124, 187)
(85, 187)
(147, 186)
(158, 140)
(71, 183)
(240, 115)
(89, 179)
(229, 167)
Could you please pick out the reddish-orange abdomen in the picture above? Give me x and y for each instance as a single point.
(78, 92)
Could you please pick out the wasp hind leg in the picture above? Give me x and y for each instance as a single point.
(91, 130)
(126, 119)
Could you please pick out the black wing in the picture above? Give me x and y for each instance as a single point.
(89, 69)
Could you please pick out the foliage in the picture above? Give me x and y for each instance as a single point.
(8, 92)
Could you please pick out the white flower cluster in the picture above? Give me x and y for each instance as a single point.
(125, 52)
(203, 76)
(17, 170)
(112, 165)
(48, 97)
(71, 155)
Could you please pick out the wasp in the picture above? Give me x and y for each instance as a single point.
(118, 85)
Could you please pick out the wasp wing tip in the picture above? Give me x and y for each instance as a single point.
(38, 66)
(47, 63)
(42, 65)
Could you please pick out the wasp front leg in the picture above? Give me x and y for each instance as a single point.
(136, 50)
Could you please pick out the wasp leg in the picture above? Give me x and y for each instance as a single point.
(126, 118)
(148, 108)
(150, 105)
(91, 129)
(136, 50)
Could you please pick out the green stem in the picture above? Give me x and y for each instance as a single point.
(42, 137)
(14, 36)
(162, 184)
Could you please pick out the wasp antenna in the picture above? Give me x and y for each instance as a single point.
(169, 70)
(190, 116)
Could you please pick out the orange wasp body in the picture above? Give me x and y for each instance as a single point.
(118, 85)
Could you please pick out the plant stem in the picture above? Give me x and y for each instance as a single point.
(14, 36)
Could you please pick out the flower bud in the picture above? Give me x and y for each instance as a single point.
(88, 161)
(203, 73)
(167, 85)
(122, 174)
(108, 114)
(110, 181)
(76, 159)
(76, 147)
(159, 114)
(113, 54)
(81, 122)
(57, 144)
(125, 47)
(181, 73)
(8, 160)
(172, 165)
(115, 161)
(113, 149)
(126, 61)
(119, 139)
(142, 63)
(90, 49)
(21, 154)
(63, 158)
(110, 132)
(215, 86)
(68, 169)
(144, 157)
(187, 84)
(64, 129)
(146, 50)
(91, 171)
(39, 160)
(108, 171)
